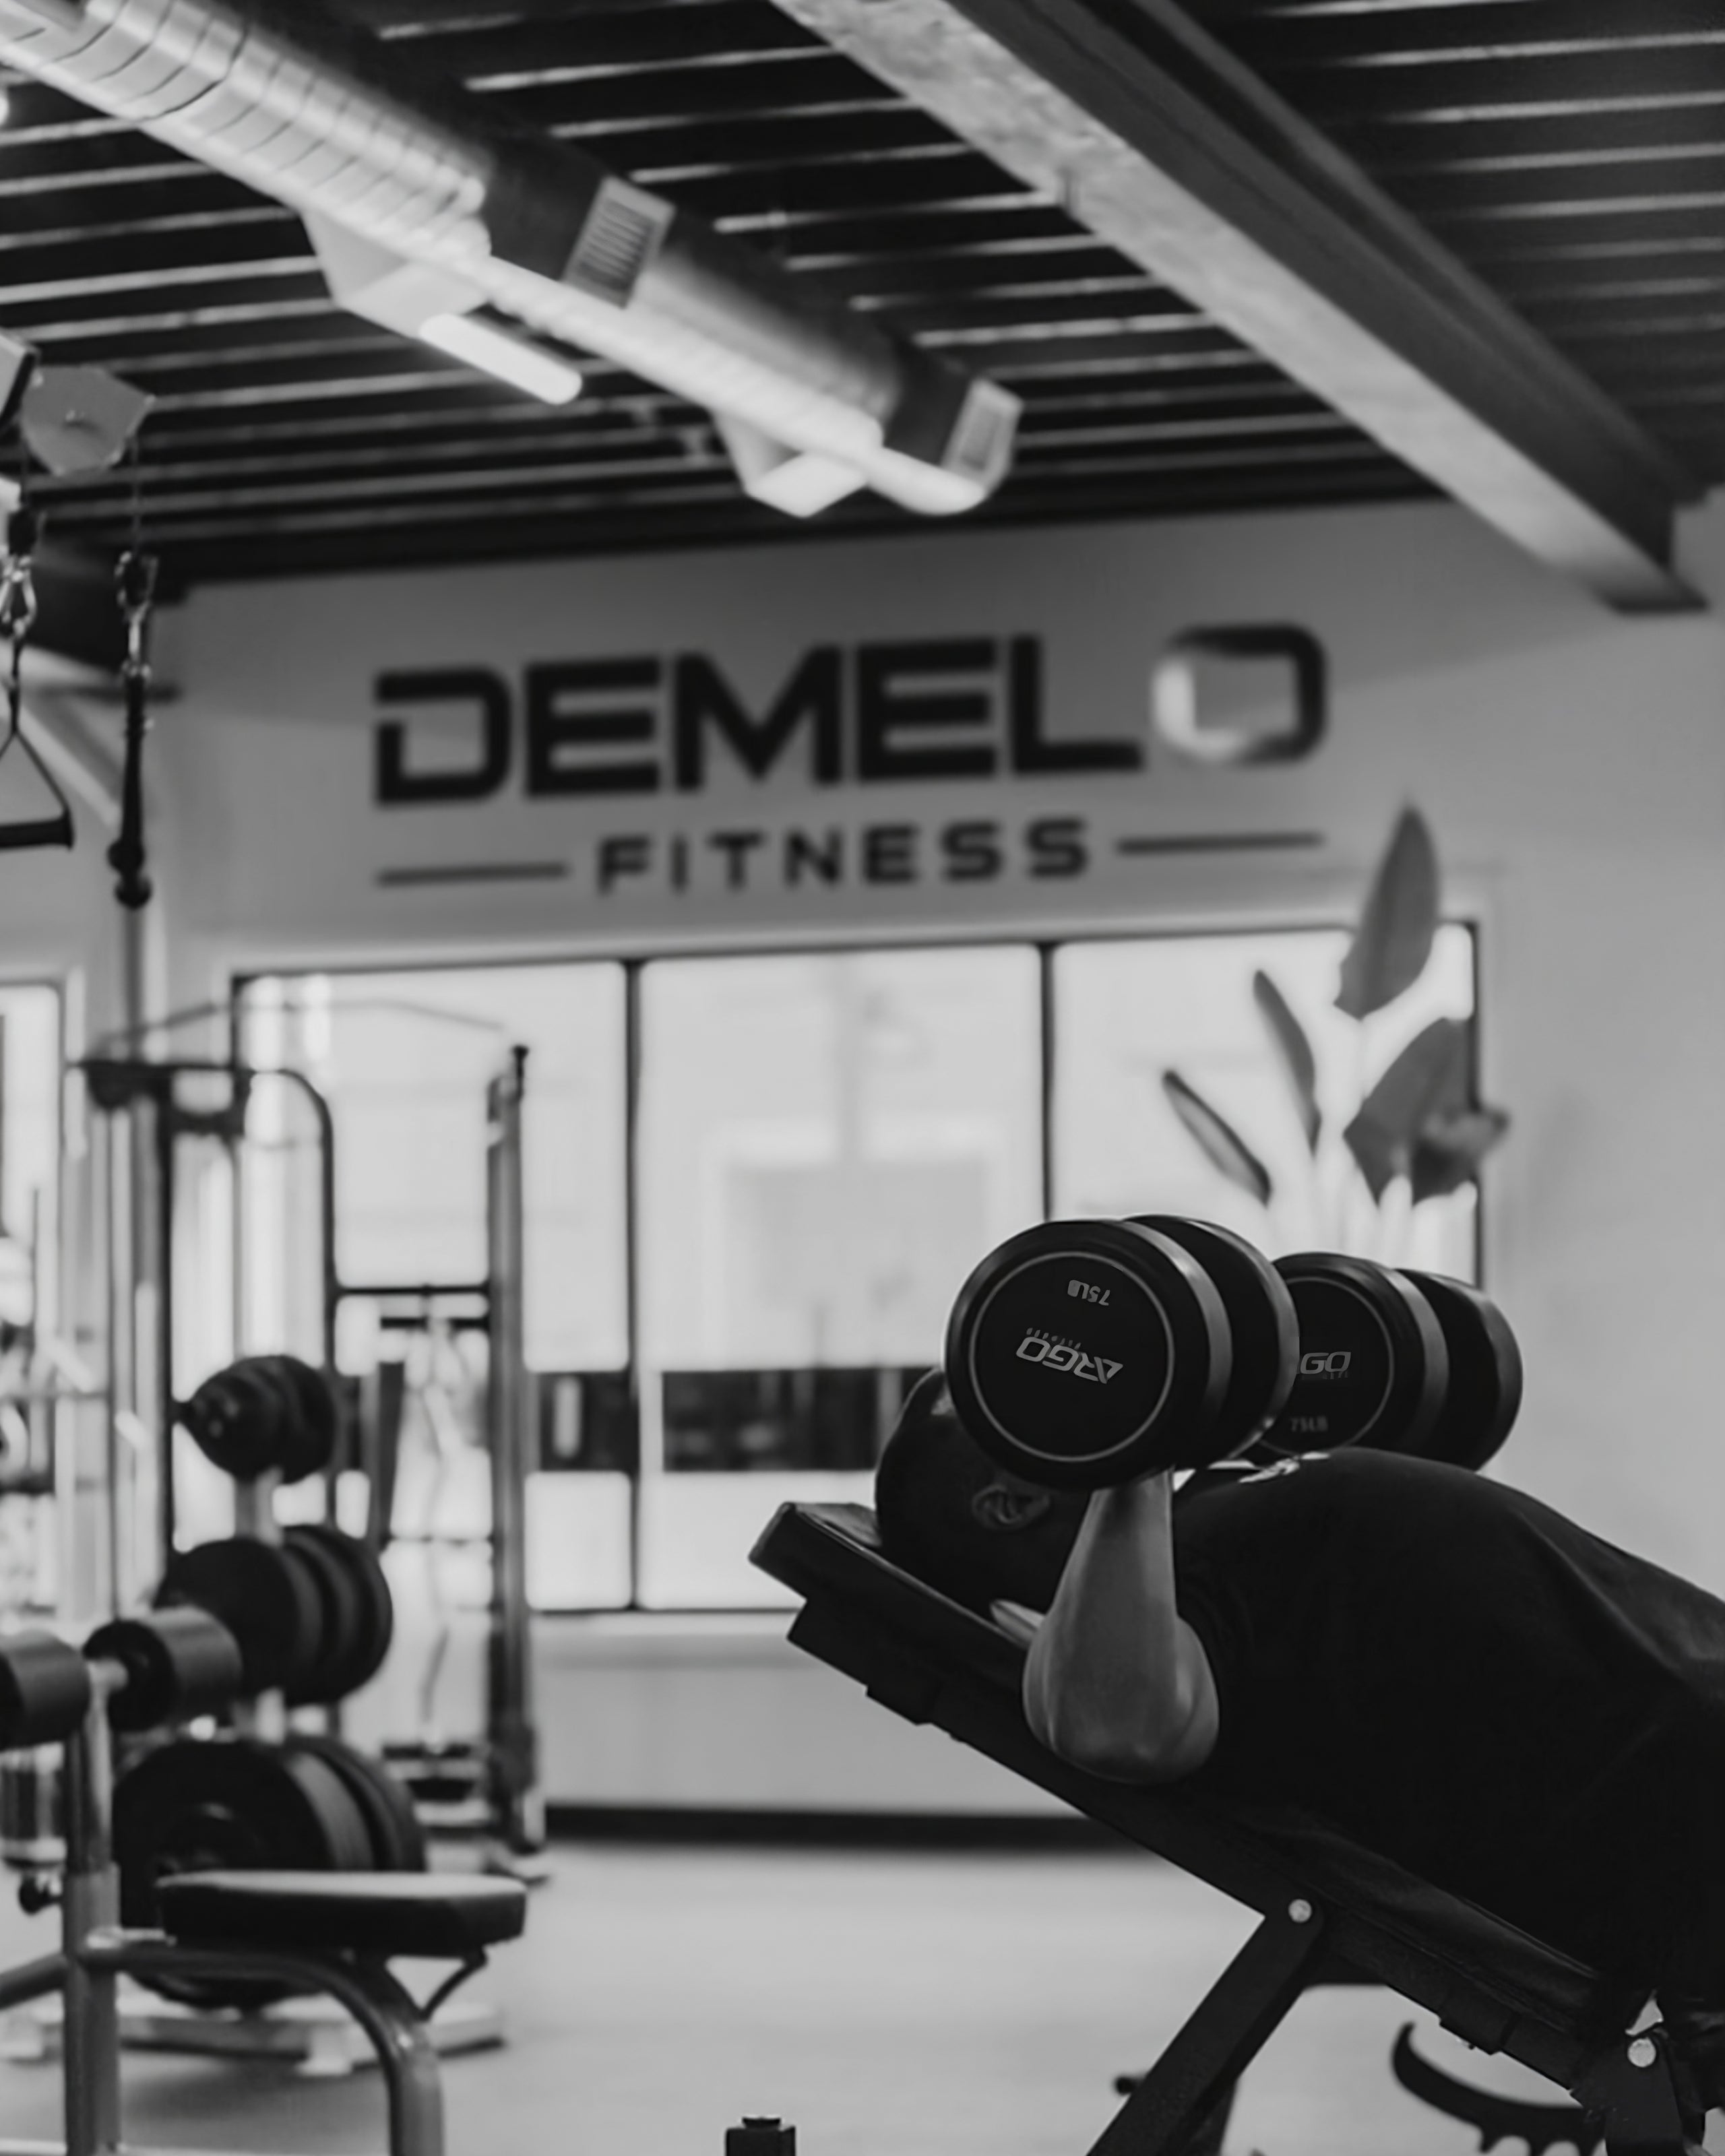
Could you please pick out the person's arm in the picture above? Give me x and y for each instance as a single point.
(1116, 1682)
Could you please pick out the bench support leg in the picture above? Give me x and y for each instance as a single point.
(1630, 2086)
(366, 1988)
(1228, 2029)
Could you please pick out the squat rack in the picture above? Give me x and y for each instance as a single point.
(144, 1102)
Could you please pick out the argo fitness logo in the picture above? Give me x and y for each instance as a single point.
(1062, 1355)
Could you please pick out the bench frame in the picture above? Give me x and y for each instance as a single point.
(1331, 1911)
(96, 1951)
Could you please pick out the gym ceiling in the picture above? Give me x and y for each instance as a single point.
(1244, 255)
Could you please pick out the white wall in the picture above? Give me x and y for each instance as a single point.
(1570, 761)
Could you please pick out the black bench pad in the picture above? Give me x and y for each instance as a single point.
(933, 1661)
(384, 1913)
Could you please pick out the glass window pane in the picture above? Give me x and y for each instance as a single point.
(403, 1060)
(1125, 1013)
(29, 1147)
(826, 1145)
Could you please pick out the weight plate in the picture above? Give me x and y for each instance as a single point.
(345, 1632)
(236, 1420)
(1373, 1366)
(377, 1602)
(228, 1803)
(266, 1601)
(1485, 1392)
(397, 1839)
(1264, 1331)
(1084, 1351)
(309, 1438)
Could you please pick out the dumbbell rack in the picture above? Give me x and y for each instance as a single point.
(146, 1094)
(316, 2035)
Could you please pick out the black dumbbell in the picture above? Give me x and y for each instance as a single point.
(1082, 1353)
(161, 1666)
(262, 1413)
(1398, 1362)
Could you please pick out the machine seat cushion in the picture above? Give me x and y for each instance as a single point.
(382, 1913)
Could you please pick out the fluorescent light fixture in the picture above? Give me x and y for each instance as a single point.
(798, 482)
(482, 345)
(427, 300)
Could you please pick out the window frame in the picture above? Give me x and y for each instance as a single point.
(634, 964)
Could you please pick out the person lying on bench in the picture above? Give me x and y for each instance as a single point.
(1449, 1671)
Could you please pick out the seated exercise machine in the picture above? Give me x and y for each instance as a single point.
(308, 1932)
(1332, 1910)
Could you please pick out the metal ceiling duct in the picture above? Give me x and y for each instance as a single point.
(302, 109)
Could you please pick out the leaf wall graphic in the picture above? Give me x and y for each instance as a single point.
(1398, 923)
(1222, 1144)
(1295, 1052)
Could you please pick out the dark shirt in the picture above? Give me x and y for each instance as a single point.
(1472, 1684)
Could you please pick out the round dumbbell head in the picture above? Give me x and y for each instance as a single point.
(397, 1839)
(360, 1654)
(238, 1418)
(1264, 1331)
(1485, 1390)
(1087, 1351)
(45, 1689)
(228, 1803)
(347, 1623)
(265, 1596)
(1373, 1366)
(179, 1662)
(308, 1438)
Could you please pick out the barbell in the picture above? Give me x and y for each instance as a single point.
(1081, 1352)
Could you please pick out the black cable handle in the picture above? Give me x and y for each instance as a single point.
(135, 579)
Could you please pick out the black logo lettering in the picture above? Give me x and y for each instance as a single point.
(1031, 752)
(888, 707)
(564, 726)
(1057, 846)
(972, 852)
(702, 698)
(394, 784)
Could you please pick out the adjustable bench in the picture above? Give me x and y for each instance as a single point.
(1332, 1910)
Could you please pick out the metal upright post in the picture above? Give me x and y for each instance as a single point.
(512, 1740)
(91, 2043)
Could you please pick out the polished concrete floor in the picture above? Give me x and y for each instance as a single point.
(886, 2005)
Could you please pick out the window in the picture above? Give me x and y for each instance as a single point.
(29, 1149)
(30, 1054)
(403, 1060)
(825, 1145)
(754, 1185)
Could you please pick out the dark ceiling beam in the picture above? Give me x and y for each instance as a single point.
(1150, 132)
